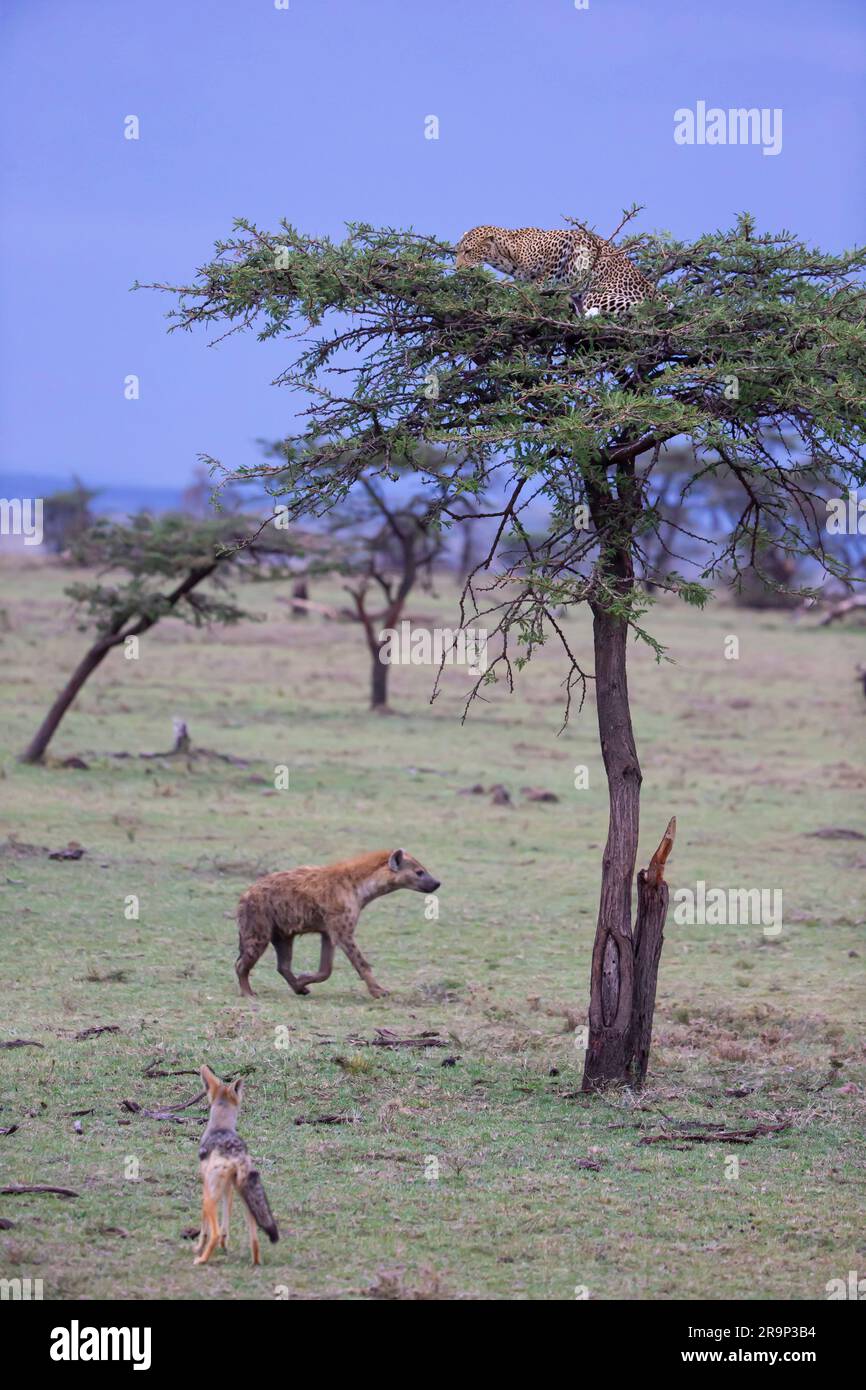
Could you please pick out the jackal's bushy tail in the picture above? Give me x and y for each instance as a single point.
(253, 1193)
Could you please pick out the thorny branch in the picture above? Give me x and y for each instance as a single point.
(757, 367)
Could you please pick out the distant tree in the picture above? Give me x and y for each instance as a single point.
(392, 535)
(694, 499)
(67, 514)
(154, 568)
(392, 350)
(393, 542)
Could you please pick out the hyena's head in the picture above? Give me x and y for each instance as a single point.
(224, 1097)
(408, 873)
(477, 247)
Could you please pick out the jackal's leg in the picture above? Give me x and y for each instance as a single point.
(283, 947)
(326, 964)
(362, 966)
(209, 1222)
(202, 1235)
(254, 1237)
(226, 1216)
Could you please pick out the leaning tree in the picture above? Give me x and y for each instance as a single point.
(756, 337)
(171, 566)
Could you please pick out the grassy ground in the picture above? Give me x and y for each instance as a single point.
(751, 755)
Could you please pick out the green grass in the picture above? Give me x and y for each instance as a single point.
(751, 755)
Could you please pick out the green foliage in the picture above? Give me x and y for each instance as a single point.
(157, 564)
(754, 339)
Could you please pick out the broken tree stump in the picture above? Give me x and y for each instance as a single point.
(652, 909)
(628, 970)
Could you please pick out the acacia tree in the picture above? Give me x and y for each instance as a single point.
(397, 540)
(155, 568)
(754, 336)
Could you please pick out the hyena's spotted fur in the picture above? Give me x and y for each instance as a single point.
(327, 899)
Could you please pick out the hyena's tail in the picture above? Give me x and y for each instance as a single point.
(253, 1192)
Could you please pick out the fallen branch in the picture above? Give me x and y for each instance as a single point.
(328, 1120)
(22, 1042)
(19, 1189)
(182, 748)
(170, 1112)
(717, 1136)
(135, 1109)
(95, 1032)
(843, 608)
(163, 1112)
(152, 1071)
(386, 1038)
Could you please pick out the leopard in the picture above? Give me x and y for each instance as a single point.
(564, 256)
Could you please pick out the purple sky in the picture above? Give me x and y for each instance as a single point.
(316, 113)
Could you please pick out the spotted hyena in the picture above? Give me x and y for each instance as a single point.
(327, 899)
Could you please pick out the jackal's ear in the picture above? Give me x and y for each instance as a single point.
(395, 863)
(236, 1088)
(210, 1080)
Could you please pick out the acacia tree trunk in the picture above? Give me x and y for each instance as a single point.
(624, 963)
(372, 626)
(379, 680)
(612, 978)
(35, 750)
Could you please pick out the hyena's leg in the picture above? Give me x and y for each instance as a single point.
(226, 1216)
(254, 1237)
(326, 964)
(362, 966)
(283, 947)
(250, 950)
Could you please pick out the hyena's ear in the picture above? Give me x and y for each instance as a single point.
(210, 1080)
(236, 1088)
(395, 863)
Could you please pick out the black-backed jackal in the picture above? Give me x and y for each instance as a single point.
(226, 1165)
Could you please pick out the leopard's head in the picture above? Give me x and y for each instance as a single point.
(477, 247)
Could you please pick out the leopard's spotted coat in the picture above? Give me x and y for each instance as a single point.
(568, 256)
